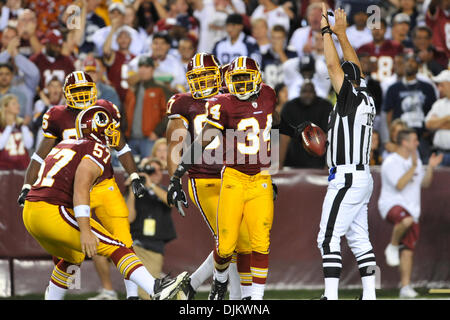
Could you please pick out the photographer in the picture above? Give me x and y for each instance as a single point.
(150, 219)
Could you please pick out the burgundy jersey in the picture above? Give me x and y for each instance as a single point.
(193, 112)
(14, 155)
(247, 145)
(59, 123)
(57, 175)
(440, 26)
(118, 73)
(383, 56)
(60, 67)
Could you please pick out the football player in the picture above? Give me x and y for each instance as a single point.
(187, 115)
(57, 209)
(246, 192)
(58, 124)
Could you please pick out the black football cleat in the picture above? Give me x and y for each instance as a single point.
(218, 290)
(187, 292)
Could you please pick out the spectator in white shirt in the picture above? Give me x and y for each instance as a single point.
(272, 13)
(168, 68)
(10, 11)
(402, 177)
(212, 15)
(116, 11)
(302, 39)
(358, 34)
(260, 32)
(438, 118)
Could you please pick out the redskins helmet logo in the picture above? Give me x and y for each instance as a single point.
(101, 120)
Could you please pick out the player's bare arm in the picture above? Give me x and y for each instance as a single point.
(331, 55)
(33, 168)
(127, 160)
(175, 135)
(86, 175)
(44, 148)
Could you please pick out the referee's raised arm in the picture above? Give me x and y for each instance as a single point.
(331, 57)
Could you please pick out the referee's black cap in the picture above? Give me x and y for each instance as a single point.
(351, 71)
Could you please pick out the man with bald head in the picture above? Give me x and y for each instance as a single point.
(307, 107)
(302, 39)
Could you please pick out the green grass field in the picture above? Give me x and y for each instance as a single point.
(348, 294)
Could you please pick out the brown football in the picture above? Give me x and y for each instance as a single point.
(314, 140)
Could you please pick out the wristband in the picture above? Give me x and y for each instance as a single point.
(37, 158)
(82, 211)
(124, 150)
(26, 186)
(326, 29)
(181, 170)
(134, 176)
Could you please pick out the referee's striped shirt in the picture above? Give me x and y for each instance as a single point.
(350, 126)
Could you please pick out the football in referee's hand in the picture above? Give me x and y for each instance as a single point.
(314, 140)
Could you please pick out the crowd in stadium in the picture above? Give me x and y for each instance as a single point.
(402, 45)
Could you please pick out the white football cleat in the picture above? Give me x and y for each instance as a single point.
(392, 255)
(408, 292)
(105, 295)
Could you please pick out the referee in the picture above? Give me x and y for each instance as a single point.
(344, 210)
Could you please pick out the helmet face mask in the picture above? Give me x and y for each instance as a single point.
(96, 123)
(79, 90)
(203, 76)
(243, 78)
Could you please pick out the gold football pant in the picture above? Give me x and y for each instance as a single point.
(244, 199)
(111, 209)
(205, 194)
(56, 230)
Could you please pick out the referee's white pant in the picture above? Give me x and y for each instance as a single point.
(344, 212)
